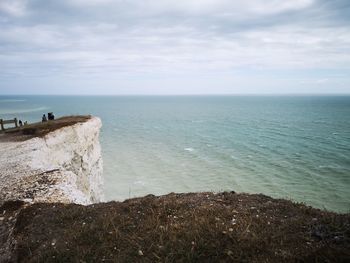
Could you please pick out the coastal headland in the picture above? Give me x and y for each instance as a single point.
(55, 161)
(52, 211)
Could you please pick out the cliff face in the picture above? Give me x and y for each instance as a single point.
(65, 166)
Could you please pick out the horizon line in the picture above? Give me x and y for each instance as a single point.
(194, 94)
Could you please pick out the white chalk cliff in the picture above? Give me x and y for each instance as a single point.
(63, 166)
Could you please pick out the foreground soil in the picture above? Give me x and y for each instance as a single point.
(201, 227)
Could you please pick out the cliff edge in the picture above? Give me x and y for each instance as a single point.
(57, 161)
(194, 227)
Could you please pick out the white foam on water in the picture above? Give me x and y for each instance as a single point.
(329, 167)
(140, 182)
(189, 149)
(12, 100)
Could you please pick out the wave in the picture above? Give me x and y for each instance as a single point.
(333, 167)
(197, 121)
(17, 111)
(189, 149)
(140, 183)
(12, 100)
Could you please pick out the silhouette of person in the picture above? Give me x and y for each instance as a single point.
(50, 116)
(44, 119)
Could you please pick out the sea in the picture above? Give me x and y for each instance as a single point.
(293, 147)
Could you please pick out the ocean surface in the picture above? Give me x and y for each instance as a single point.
(294, 147)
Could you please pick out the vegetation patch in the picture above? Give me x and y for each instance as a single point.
(196, 227)
(41, 129)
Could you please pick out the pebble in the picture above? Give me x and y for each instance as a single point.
(140, 253)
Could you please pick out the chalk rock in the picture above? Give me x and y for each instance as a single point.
(63, 166)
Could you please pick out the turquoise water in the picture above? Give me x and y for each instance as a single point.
(295, 147)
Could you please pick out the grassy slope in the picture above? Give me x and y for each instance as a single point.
(201, 227)
(40, 129)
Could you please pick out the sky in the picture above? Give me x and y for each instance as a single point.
(174, 47)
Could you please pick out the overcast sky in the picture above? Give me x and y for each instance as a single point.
(174, 46)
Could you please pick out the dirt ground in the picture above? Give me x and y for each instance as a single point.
(196, 227)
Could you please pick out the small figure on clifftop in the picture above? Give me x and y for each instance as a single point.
(50, 116)
(20, 123)
(44, 119)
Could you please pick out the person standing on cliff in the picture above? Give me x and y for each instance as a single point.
(44, 119)
(50, 116)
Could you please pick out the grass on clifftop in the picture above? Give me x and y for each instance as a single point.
(203, 227)
(40, 129)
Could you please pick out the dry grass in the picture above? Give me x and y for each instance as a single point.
(201, 227)
(40, 129)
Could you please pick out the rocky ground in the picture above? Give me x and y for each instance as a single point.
(197, 227)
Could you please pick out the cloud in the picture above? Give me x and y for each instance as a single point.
(233, 7)
(200, 6)
(276, 6)
(104, 49)
(90, 2)
(151, 38)
(15, 8)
